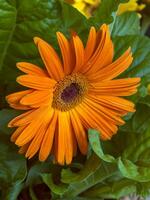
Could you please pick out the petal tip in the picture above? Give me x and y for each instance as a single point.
(36, 40)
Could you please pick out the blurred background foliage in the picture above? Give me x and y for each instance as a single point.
(112, 169)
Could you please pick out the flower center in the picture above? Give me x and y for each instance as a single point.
(69, 92)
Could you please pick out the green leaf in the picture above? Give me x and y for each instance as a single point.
(145, 100)
(57, 189)
(135, 161)
(20, 21)
(133, 171)
(5, 116)
(112, 190)
(34, 174)
(12, 171)
(79, 184)
(140, 46)
(73, 184)
(94, 139)
(141, 119)
(124, 22)
(138, 146)
(105, 12)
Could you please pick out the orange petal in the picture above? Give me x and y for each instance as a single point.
(91, 43)
(24, 148)
(17, 132)
(15, 97)
(36, 142)
(116, 103)
(50, 59)
(114, 69)
(79, 131)
(66, 53)
(42, 118)
(37, 98)
(91, 119)
(22, 119)
(79, 52)
(31, 69)
(119, 87)
(103, 54)
(19, 106)
(65, 144)
(36, 82)
(47, 142)
(109, 114)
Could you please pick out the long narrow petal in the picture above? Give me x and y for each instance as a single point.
(17, 132)
(79, 131)
(79, 52)
(22, 119)
(36, 142)
(103, 54)
(36, 82)
(118, 87)
(50, 59)
(24, 148)
(31, 69)
(26, 117)
(114, 69)
(91, 119)
(19, 106)
(69, 141)
(111, 115)
(38, 98)
(14, 100)
(91, 43)
(15, 97)
(118, 104)
(29, 133)
(66, 52)
(65, 144)
(47, 142)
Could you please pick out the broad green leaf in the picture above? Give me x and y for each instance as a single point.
(139, 145)
(140, 46)
(78, 185)
(57, 189)
(133, 171)
(112, 190)
(141, 118)
(126, 24)
(34, 174)
(94, 139)
(5, 116)
(73, 184)
(12, 171)
(105, 12)
(137, 168)
(91, 165)
(145, 100)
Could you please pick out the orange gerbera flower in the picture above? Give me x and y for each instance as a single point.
(71, 95)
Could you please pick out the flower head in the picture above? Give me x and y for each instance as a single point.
(71, 95)
(132, 5)
(86, 7)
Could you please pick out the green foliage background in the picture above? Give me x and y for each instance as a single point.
(111, 169)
